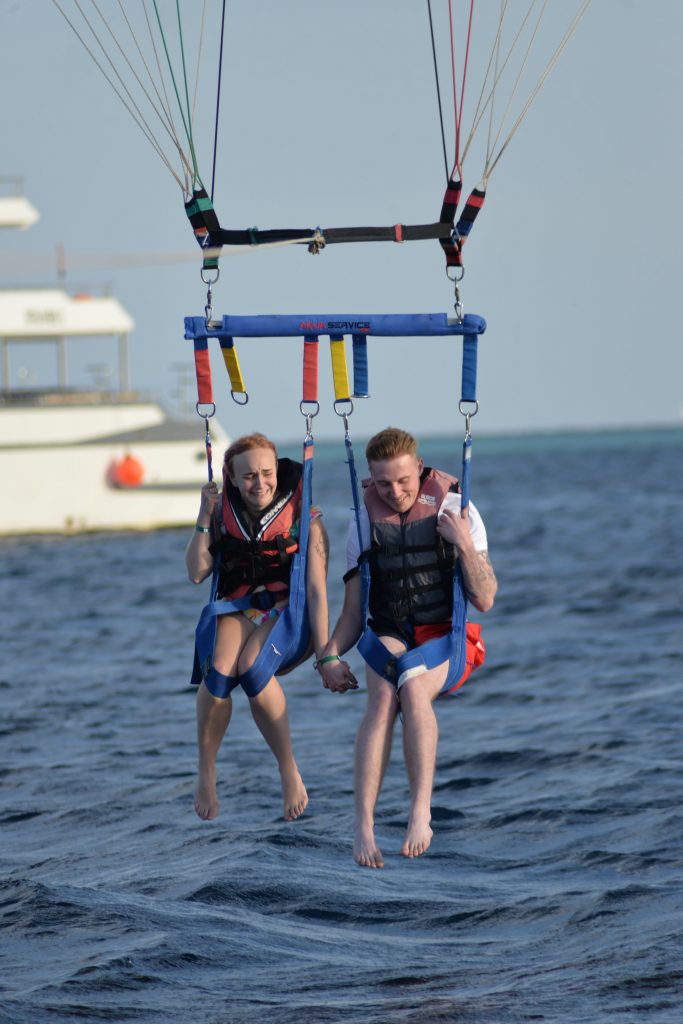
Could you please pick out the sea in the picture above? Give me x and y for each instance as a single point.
(553, 889)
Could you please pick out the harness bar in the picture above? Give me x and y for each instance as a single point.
(384, 325)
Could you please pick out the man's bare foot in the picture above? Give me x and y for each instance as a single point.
(418, 836)
(294, 795)
(206, 801)
(366, 852)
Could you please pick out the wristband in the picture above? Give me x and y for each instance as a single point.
(325, 660)
(203, 529)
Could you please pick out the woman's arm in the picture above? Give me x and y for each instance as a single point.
(316, 585)
(198, 558)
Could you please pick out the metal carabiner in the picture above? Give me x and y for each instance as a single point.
(209, 282)
(457, 305)
(468, 414)
(309, 415)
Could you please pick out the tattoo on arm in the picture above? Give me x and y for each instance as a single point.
(322, 547)
(485, 568)
(483, 577)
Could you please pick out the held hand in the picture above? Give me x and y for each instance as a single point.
(455, 528)
(338, 677)
(209, 498)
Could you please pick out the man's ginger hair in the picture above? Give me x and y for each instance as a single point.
(390, 443)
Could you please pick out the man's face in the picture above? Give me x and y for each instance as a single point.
(397, 480)
(254, 474)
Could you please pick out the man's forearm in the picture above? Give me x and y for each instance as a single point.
(479, 579)
(349, 626)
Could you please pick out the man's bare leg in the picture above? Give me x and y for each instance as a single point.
(420, 738)
(213, 713)
(373, 747)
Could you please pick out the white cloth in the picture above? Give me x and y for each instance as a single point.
(451, 501)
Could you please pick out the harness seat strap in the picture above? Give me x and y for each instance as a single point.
(202, 365)
(232, 365)
(340, 372)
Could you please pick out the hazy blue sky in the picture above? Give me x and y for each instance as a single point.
(329, 117)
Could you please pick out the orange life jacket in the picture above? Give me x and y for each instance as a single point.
(258, 555)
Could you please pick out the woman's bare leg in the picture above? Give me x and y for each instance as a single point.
(213, 713)
(269, 709)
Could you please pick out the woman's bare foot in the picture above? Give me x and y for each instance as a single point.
(294, 795)
(418, 836)
(206, 802)
(366, 852)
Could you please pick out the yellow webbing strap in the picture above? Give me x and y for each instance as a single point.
(232, 365)
(340, 372)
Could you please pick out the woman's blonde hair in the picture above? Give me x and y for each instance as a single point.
(246, 444)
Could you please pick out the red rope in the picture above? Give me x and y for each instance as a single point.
(458, 110)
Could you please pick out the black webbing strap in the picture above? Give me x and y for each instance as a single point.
(450, 243)
(330, 236)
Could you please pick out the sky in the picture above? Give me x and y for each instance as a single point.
(329, 116)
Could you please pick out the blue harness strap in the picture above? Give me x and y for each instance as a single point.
(452, 647)
(289, 638)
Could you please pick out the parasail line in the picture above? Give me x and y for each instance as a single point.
(218, 102)
(438, 88)
(541, 82)
(138, 118)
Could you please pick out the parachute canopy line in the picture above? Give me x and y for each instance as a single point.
(147, 58)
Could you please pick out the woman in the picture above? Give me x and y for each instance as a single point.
(261, 500)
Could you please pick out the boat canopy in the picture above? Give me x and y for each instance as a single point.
(38, 314)
(17, 212)
(34, 315)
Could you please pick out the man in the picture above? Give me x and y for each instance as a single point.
(413, 531)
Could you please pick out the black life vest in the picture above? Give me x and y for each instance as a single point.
(411, 566)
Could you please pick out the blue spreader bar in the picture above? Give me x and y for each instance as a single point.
(388, 325)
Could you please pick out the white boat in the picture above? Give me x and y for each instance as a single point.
(72, 459)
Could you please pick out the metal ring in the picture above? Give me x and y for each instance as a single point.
(304, 402)
(468, 401)
(455, 280)
(205, 415)
(209, 283)
(236, 400)
(345, 412)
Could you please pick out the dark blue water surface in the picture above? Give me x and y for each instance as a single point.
(553, 888)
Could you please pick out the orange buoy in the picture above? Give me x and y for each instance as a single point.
(126, 472)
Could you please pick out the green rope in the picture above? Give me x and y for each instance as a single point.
(187, 123)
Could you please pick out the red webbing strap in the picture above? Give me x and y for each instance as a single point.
(467, 218)
(202, 367)
(310, 391)
(448, 212)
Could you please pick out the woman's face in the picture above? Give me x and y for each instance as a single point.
(254, 474)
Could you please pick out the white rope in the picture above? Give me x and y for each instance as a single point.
(199, 60)
(161, 68)
(548, 69)
(138, 118)
(33, 263)
(518, 78)
(162, 111)
(503, 6)
(497, 79)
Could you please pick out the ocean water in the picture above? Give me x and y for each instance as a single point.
(553, 888)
